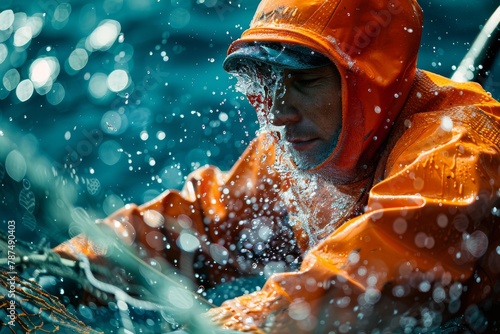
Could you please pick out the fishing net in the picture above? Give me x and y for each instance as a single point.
(147, 301)
(26, 308)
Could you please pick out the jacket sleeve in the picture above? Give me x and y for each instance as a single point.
(429, 229)
(202, 229)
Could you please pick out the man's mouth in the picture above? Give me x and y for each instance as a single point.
(302, 143)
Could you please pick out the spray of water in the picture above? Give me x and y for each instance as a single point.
(315, 205)
(160, 291)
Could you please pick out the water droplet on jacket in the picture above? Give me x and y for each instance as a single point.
(477, 243)
(424, 286)
(495, 212)
(442, 220)
(446, 124)
(299, 310)
(398, 291)
(461, 222)
(418, 183)
(439, 294)
(400, 225)
(422, 240)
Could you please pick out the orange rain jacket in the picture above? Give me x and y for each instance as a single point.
(402, 217)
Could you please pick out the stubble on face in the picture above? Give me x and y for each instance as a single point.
(308, 113)
(310, 160)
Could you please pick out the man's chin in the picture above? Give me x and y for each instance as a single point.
(304, 163)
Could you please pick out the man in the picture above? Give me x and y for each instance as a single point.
(381, 180)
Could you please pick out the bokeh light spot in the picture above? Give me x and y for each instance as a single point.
(78, 59)
(118, 80)
(179, 18)
(43, 71)
(56, 95)
(400, 225)
(62, 12)
(112, 6)
(446, 124)
(22, 36)
(188, 242)
(97, 85)
(112, 203)
(36, 24)
(24, 90)
(113, 123)
(11, 79)
(6, 19)
(171, 177)
(15, 165)
(219, 253)
(110, 152)
(153, 218)
(3, 52)
(160, 135)
(477, 243)
(103, 37)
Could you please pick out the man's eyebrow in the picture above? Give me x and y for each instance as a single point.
(312, 72)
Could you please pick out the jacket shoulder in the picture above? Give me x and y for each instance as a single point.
(439, 110)
(433, 92)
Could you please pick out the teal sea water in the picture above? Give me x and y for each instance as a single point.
(104, 103)
(126, 97)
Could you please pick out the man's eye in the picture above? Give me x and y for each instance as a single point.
(307, 81)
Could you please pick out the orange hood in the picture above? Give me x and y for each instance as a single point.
(377, 68)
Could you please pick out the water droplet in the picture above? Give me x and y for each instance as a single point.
(477, 243)
(442, 220)
(103, 37)
(118, 80)
(6, 19)
(24, 90)
(400, 225)
(446, 124)
(188, 242)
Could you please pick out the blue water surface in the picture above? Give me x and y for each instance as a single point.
(104, 103)
(133, 96)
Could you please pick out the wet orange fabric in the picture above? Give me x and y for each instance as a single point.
(431, 226)
(404, 216)
(432, 211)
(236, 217)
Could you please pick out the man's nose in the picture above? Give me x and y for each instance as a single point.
(283, 110)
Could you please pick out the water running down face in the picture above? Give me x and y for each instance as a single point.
(307, 107)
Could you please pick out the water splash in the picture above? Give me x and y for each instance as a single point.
(315, 205)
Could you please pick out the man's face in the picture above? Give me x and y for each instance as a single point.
(307, 104)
